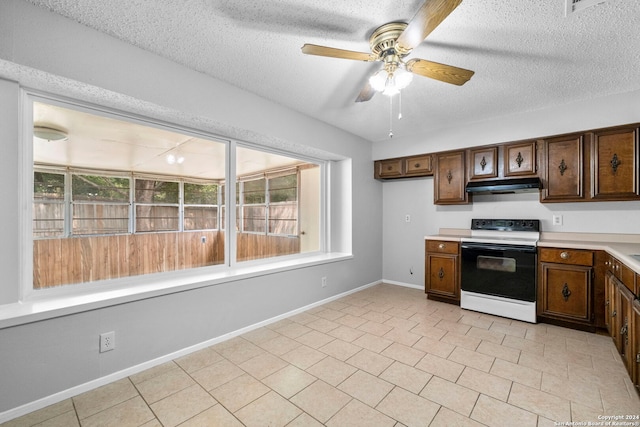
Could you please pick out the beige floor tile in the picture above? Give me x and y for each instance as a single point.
(263, 365)
(495, 413)
(345, 333)
(339, 349)
(304, 420)
(303, 357)
(217, 374)
(400, 313)
(401, 323)
(104, 397)
(476, 321)
(269, 410)
(332, 371)
(182, 406)
(449, 326)
(585, 413)
(320, 400)
(455, 397)
(435, 347)
(470, 343)
(517, 373)
(132, 412)
(147, 374)
(429, 331)
(279, 345)
(336, 305)
(448, 418)
(315, 339)
(242, 351)
(294, 330)
(322, 325)
(525, 345)
(260, 335)
(402, 336)
(576, 391)
(373, 342)
(499, 351)
(370, 362)
(486, 335)
(540, 363)
(329, 314)
(66, 419)
(366, 388)
(357, 414)
(485, 383)
(215, 416)
(161, 386)
(375, 328)
(239, 392)
(41, 415)
(473, 359)
(564, 356)
(441, 367)
(405, 376)
(351, 320)
(514, 331)
(303, 318)
(408, 408)
(402, 353)
(355, 311)
(289, 381)
(198, 360)
(539, 402)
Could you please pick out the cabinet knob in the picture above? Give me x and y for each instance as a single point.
(441, 246)
(564, 255)
(566, 292)
(441, 273)
(417, 165)
(614, 313)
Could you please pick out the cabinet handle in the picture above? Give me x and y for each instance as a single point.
(615, 312)
(566, 292)
(564, 255)
(441, 273)
(519, 159)
(417, 165)
(624, 330)
(615, 163)
(483, 163)
(562, 167)
(441, 246)
(638, 358)
(449, 176)
(389, 168)
(606, 303)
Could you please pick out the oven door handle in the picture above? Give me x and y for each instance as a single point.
(496, 247)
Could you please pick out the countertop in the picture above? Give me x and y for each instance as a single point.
(621, 246)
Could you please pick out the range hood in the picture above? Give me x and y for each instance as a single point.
(504, 186)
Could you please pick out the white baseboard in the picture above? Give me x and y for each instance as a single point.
(82, 388)
(406, 285)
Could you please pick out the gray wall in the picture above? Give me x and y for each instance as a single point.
(44, 51)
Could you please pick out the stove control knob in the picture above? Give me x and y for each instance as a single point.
(510, 224)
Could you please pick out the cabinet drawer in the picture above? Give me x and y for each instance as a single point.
(566, 256)
(443, 247)
(390, 168)
(420, 165)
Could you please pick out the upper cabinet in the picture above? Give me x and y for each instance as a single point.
(403, 167)
(449, 179)
(614, 171)
(562, 169)
(520, 159)
(483, 163)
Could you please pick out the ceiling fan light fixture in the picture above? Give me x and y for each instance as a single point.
(378, 81)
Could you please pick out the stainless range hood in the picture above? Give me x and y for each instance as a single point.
(504, 186)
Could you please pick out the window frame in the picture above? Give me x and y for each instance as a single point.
(226, 222)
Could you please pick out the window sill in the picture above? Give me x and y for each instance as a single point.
(50, 306)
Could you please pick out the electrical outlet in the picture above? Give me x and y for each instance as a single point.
(407, 218)
(557, 220)
(323, 281)
(107, 341)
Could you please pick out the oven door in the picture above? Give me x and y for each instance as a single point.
(501, 270)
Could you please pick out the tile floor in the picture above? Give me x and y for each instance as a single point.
(385, 356)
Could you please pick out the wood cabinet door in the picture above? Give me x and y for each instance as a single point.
(391, 168)
(624, 300)
(449, 179)
(615, 164)
(483, 163)
(635, 343)
(563, 176)
(609, 296)
(442, 275)
(520, 159)
(566, 292)
(418, 166)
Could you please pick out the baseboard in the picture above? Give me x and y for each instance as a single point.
(88, 386)
(406, 285)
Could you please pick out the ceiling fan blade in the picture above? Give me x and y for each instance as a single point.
(313, 49)
(428, 17)
(366, 93)
(437, 71)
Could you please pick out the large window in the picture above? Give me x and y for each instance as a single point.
(115, 198)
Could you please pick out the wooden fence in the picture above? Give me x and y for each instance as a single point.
(88, 259)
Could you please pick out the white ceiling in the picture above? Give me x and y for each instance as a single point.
(525, 53)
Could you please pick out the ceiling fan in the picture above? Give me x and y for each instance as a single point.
(391, 43)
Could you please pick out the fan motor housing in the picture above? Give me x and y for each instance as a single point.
(384, 38)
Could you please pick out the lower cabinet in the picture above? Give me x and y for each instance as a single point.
(634, 334)
(565, 291)
(442, 266)
(621, 323)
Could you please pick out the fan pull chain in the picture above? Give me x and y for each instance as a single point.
(400, 105)
(391, 117)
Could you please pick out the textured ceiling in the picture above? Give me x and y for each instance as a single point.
(525, 53)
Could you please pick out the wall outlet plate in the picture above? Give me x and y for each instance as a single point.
(557, 220)
(107, 341)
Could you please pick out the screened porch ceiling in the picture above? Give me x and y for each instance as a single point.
(104, 143)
